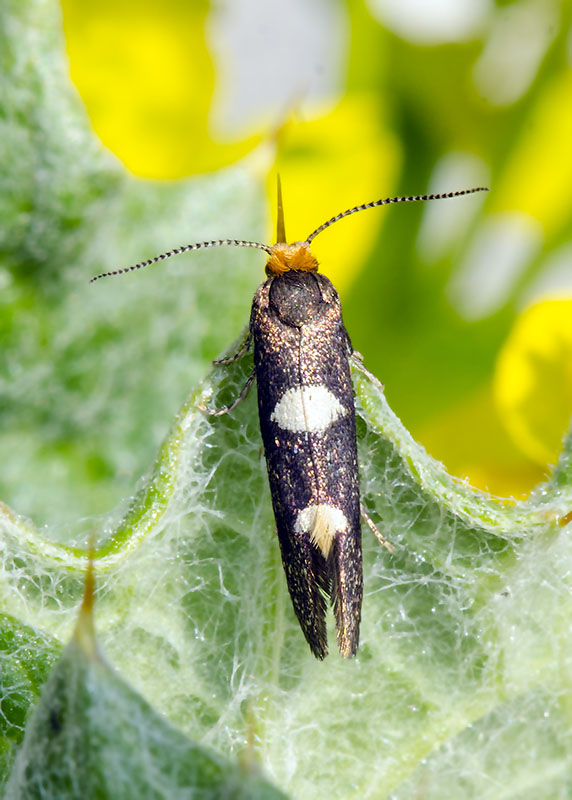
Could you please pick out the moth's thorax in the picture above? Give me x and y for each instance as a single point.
(285, 257)
(295, 297)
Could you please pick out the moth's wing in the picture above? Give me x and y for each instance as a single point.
(309, 584)
(345, 565)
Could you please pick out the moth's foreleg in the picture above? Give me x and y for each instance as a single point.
(218, 412)
(244, 347)
(357, 360)
(373, 528)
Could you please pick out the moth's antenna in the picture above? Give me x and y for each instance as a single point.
(389, 200)
(184, 249)
(280, 227)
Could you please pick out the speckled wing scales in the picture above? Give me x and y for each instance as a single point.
(309, 584)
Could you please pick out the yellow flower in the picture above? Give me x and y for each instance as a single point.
(533, 379)
(148, 90)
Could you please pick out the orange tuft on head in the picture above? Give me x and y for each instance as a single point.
(285, 257)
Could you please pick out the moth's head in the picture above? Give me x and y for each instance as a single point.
(284, 257)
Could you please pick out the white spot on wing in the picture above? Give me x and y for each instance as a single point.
(322, 522)
(307, 408)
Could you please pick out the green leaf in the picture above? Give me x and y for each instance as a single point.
(465, 621)
(92, 736)
(25, 661)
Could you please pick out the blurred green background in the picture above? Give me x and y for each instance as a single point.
(371, 99)
(461, 307)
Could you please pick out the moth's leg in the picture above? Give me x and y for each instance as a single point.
(221, 362)
(218, 412)
(357, 360)
(372, 526)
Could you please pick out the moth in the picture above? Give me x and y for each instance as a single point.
(302, 367)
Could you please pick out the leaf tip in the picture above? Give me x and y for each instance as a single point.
(84, 633)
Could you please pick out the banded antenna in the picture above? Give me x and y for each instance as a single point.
(176, 251)
(387, 201)
(280, 229)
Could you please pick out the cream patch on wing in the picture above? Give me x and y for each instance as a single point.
(322, 522)
(310, 409)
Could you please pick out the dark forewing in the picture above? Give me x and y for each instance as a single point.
(307, 421)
